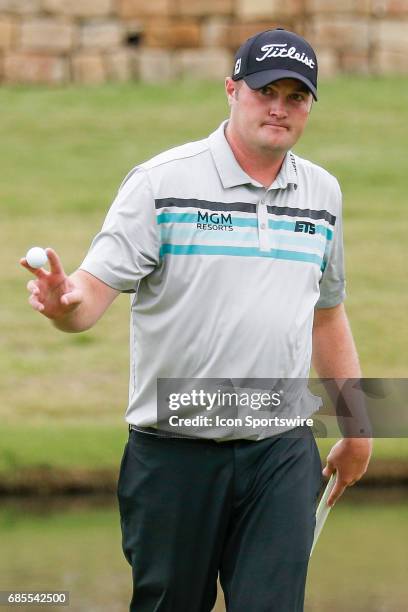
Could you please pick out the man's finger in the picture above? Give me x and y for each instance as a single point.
(72, 297)
(328, 470)
(32, 287)
(54, 261)
(337, 492)
(38, 272)
(32, 300)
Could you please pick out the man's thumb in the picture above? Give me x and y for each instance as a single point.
(72, 297)
(328, 470)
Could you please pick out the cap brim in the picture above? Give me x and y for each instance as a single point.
(264, 77)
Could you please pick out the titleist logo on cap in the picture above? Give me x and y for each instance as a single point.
(281, 50)
(273, 55)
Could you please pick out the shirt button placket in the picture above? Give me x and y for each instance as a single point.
(263, 232)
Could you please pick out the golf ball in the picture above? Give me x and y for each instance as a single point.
(36, 257)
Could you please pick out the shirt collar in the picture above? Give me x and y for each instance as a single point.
(231, 173)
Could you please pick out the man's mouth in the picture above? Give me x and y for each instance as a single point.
(276, 126)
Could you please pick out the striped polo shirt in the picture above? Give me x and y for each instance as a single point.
(224, 274)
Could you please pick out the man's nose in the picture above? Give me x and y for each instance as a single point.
(278, 107)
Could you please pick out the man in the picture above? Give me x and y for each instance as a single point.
(232, 250)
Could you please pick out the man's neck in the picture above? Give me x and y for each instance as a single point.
(264, 168)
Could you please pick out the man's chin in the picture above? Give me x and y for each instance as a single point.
(275, 145)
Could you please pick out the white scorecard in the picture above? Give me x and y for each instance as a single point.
(323, 510)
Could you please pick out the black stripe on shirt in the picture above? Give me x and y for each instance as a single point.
(244, 207)
(302, 212)
(190, 203)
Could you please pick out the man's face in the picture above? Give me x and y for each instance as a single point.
(270, 119)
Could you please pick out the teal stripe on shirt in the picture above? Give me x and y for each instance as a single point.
(177, 218)
(187, 235)
(192, 218)
(199, 249)
(290, 226)
(241, 222)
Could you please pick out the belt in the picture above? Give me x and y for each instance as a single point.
(153, 431)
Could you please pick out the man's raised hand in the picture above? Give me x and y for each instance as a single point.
(52, 293)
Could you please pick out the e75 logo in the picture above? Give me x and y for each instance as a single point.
(305, 227)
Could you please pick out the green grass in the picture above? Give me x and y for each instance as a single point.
(64, 153)
(83, 445)
(71, 547)
(384, 448)
(76, 550)
(64, 446)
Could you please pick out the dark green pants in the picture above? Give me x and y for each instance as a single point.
(191, 509)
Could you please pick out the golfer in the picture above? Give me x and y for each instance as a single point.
(231, 250)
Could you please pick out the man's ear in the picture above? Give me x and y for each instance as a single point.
(231, 89)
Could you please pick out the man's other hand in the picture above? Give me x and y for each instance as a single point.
(349, 458)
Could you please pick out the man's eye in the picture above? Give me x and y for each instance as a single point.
(265, 91)
(297, 97)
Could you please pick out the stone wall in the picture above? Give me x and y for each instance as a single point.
(92, 41)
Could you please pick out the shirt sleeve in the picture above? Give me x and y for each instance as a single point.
(127, 247)
(332, 282)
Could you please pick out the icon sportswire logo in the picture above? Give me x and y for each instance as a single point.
(281, 50)
(214, 221)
